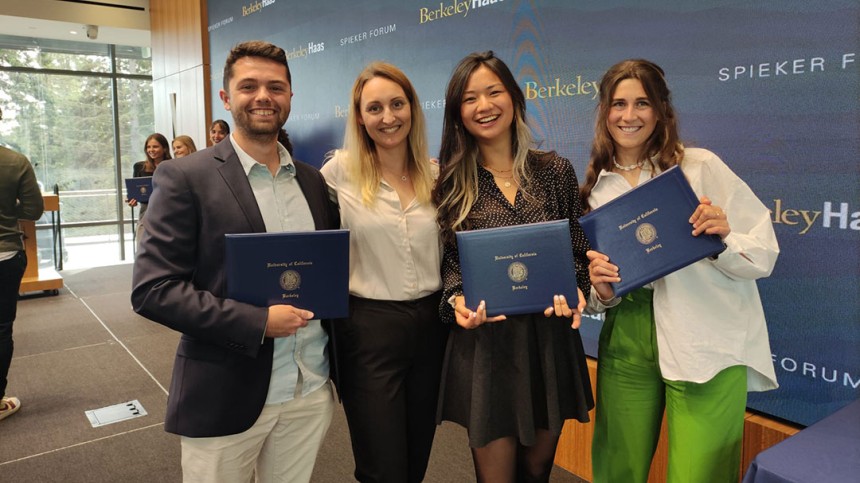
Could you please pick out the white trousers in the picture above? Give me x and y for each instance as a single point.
(281, 446)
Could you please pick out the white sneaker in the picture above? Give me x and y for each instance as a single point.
(9, 406)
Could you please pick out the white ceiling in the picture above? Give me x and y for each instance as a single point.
(57, 19)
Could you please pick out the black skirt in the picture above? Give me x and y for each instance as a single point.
(513, 377)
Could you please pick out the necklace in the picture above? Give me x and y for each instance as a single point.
(403, 177)
(506, 180)
(627, 168)
(498, 170)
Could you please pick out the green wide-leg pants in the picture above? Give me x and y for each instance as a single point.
(705, 421)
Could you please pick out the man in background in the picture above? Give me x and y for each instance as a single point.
(20, 199)
(250, 390)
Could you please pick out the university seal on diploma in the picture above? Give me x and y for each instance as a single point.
(308, 270)
(139, 189)
(291, 280)
(646, 231)
(517, 269)
(518, 272)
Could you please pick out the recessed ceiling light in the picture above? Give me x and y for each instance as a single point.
(73, 32)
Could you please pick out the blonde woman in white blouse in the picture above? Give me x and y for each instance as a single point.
(695, 341)
(390, 348)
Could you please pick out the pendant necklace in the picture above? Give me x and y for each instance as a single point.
(507, 179)
(627, 168)
(403, 177)
(506, 182)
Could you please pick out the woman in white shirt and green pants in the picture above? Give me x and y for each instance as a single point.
(695, 341)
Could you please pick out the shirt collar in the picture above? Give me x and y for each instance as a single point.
(248, 163)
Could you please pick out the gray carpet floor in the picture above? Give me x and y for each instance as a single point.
(85, 349)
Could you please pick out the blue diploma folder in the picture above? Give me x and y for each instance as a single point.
(139, 188)
(309, 270)
(646, 232)
(517, 269)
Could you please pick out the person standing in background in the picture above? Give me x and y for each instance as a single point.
(20, 199)
(218, 131)
(157, 149)
(510, 381)
(390, 348)
(695, 341)
(183, 146)
(250, 393)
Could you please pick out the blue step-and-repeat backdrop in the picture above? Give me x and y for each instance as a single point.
(771, 86)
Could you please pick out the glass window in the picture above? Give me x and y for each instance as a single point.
(58, 109)
(54, 54)
(137, 120)
(133, 60)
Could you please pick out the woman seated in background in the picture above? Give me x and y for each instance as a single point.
(510, 381)
(218, 131)
(183, 146)
(695, 341)
(390, 348)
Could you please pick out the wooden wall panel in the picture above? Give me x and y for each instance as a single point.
(760, 433)
(180, 58)
(574, 446)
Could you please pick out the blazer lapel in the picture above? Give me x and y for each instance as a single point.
(237, 181)
(310, 181)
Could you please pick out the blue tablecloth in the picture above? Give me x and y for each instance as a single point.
(828, 451)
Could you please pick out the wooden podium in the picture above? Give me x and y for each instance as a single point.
(36, 279)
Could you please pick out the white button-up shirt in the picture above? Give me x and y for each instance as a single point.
(394, 253)
(709, 315)
(284, 208)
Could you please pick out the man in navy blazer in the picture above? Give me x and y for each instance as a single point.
(250, 389)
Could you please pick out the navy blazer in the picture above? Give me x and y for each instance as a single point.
(221, 372)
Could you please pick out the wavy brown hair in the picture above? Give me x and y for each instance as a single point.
(663, 148)
(149, 165)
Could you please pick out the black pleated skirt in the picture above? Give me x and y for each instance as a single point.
(513, 377)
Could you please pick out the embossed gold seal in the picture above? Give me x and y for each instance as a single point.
(290, 280)
(518, 272)
(646, 233)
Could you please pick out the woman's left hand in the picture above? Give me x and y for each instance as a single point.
(562, 309)
(709, 219)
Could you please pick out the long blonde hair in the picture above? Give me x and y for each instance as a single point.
(187, 142)
(359, 150)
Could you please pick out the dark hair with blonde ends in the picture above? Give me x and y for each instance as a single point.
(457, 187)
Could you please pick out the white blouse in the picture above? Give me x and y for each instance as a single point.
(394, 253)
(709, 315)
